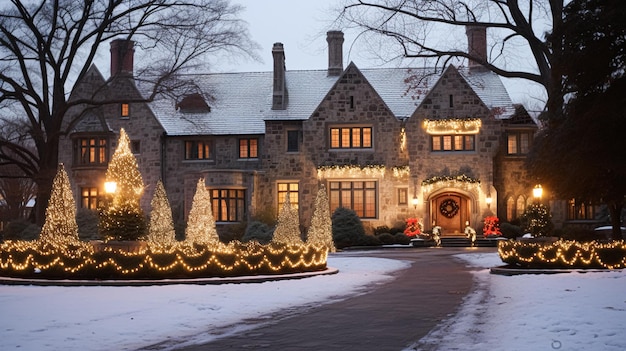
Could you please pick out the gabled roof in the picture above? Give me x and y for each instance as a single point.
(240, 103)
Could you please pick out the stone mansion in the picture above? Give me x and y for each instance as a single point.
(445, 146)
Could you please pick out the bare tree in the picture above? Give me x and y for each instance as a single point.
(47, 45)
(426, 29)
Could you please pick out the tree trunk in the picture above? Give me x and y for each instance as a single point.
(48, 165)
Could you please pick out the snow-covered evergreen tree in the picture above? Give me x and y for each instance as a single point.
(321, 229)
(201, 223)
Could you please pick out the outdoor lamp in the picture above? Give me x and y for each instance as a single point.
(537, 192)
(488, 200)
(415, 201)
(110, 187)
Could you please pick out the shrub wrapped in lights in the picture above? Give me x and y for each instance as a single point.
(563, 254)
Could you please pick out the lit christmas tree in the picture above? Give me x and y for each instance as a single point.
(321, 230)
(288, 226)
(161, 229)
(60, 228)
(201, 223)
(537, 220)
(123, 218)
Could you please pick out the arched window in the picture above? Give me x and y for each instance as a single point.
(510, 208)
(521, 205)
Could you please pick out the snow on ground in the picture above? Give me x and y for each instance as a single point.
(570, 311)
(573, 311)
(127, 318)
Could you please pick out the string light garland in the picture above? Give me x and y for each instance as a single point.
(354, 171)
(201, 223)
(452, 126)
(564, 254)
(161, 227)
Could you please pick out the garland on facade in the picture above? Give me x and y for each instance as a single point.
(446, 178)
(373, 171)
(449, 208)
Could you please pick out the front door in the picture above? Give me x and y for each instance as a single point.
(449, 211)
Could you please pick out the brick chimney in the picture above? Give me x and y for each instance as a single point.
(335, 52)
(122, 53)
(476, 45)
(279, 94)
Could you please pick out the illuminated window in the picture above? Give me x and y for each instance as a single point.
(249, 148)
(521, 205)
(518, 143)
(351, 138)
(125, 111)
(91, 151)
(89, 198)
(453, 142)
(510, 209)
(580, 210)
(228, 205)
(360, 196)
(198, 150)
(292, 189)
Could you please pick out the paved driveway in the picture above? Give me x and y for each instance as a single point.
(391, 316)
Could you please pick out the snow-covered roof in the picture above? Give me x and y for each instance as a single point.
(241, 102)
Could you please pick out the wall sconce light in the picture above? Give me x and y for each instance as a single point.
(488, 201)
(415, 201)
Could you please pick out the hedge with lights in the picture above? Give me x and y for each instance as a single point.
(24, 259)
(563, 254)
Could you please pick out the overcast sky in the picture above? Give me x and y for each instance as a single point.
(301, 26)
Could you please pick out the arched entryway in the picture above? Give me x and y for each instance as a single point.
(450, 211)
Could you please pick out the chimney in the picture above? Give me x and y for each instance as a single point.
(122, 52)
(476, 45)
(335, 52)
(279, 94)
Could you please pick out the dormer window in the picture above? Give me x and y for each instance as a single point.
(193, 103)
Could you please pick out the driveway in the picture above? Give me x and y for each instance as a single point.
(390, 316)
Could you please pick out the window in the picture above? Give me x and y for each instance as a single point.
(360, 196)
(453, 142)
(510, 209)
(125, 111)
(89, 198)
(520, 205)
(293, 141)
(91, 151)
(248, 148)
(228, 205)
(518, 143)
(351, 138)
(135, 146)
(451, 104)
(292, 189)
(198, 150)
(403, 196)
(580, 210)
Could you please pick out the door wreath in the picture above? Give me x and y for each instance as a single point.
(449, 208)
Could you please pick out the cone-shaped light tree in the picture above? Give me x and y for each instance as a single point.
(161, 229)
(321, 229)
(60, 229)
(201, 223)
(123, 218)
(288, 226)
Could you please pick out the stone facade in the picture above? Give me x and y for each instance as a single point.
(353, 141)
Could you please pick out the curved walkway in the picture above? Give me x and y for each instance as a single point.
(391, 316)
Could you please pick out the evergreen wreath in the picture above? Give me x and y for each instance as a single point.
(449, 208)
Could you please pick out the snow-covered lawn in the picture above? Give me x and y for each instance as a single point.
(574, 311)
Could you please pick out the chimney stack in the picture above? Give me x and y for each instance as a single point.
(477, 45)
(335, 52)
(122, 53)
(279, 94)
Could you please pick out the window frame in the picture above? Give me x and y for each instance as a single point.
(124, 110)
(250, 152)
(226, 207)
(291, 134)
(88, 198)
(87, 153)
(338, 196)
(580, 210)
(518, 142)
(294, 194)
(450, 143)
(351, 137)
(190, 145)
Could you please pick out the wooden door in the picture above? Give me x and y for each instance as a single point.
(448, 213)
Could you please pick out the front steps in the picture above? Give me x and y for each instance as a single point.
(458, 241)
